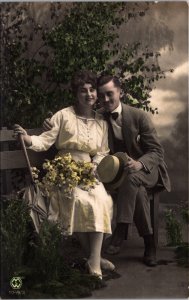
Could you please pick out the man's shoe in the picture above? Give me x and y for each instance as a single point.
(106, 265)
(120, 233)
(149, 258)
(150, 261)
(112, 250)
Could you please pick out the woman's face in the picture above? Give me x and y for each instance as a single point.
(86, 95)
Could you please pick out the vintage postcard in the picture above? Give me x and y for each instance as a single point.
(94, 201)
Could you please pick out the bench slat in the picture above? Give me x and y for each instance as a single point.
(16, 159)
(7, 135)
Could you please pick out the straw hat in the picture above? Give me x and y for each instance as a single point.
(111, 170)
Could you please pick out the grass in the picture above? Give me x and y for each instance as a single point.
(182, 254)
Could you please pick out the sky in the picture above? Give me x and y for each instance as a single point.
(171, 96)
(165, 29)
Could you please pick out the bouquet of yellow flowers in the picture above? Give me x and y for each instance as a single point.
(67, 173)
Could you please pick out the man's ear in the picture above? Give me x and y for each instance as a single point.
(121, 93)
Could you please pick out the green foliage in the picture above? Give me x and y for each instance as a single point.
(175, 220)
(47, 248)
(14, 235)
(174, 229)
(182, 254)
(38, 259)
(38, 60)
(51, 271)
(185, 214)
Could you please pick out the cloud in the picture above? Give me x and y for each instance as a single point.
(165, 25)
(176, 150)
(170, 98)
(181, 70)
(169, 106)
(174, 60)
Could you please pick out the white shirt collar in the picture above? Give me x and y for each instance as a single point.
(118, 109)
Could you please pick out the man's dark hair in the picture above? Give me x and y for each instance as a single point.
(81, 77)
(103, 79)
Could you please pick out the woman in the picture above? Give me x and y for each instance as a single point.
(79, 130)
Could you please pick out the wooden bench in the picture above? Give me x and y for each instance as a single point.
(13, 160)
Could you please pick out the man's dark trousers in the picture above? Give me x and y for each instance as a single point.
(133, 202)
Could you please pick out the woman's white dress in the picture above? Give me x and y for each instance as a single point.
(85, 139)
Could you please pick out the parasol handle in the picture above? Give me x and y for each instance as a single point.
(26, 157)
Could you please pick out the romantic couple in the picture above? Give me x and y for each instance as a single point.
(91, 136)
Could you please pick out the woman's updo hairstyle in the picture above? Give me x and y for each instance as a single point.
(82, 77)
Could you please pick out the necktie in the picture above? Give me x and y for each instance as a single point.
(114, 115)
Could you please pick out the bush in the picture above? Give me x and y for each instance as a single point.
(182, 255)
(174, 229)
(14, 234)
(39, 260)
(73, 36)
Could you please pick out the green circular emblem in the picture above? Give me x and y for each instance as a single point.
(16, 283)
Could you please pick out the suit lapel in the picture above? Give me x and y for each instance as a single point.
(126, 128)
(110, 134)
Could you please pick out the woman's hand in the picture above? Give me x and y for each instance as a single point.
(95, 173)
(19, 130)
(47, 124)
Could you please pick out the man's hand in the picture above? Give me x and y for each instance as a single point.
(133, 165)
(47, 124)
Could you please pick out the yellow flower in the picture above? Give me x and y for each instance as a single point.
(67, 173)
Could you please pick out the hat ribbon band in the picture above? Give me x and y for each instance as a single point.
(120, 171)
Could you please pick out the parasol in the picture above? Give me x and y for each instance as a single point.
(34, 198)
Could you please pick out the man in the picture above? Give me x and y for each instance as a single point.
(131, 131)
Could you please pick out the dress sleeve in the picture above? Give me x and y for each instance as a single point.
(44, 141)
(104, 149)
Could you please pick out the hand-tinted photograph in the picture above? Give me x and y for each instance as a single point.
(94, 150)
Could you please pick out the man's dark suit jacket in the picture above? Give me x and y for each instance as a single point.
(141, 142)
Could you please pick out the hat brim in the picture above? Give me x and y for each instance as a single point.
(122, 155)
(112, 186)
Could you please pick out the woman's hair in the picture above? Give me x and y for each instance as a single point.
(103, 79)
(82, 77)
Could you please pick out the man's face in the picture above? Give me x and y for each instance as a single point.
(109, 96)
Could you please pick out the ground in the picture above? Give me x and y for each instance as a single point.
(166, 280)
